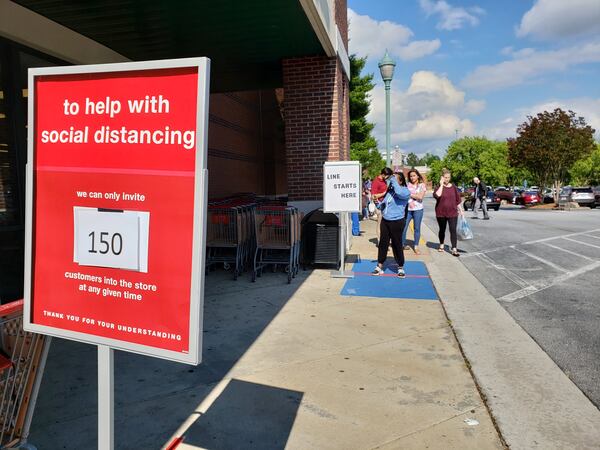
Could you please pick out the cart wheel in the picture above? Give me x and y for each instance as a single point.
(235, 275)
(253, 276)
(287, 269)
(226, 266)
(289, 277)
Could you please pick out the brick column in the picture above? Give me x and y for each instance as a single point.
(316, 122)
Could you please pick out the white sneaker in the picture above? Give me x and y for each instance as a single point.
(377, 271)
(401, 273)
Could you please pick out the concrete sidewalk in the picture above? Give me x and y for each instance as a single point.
(285, 366)
(535, 405)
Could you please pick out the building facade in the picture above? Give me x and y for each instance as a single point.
(279, 89)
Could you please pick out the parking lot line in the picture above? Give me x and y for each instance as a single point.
(568, 251)
(514, 296)
(537, 241)
(506, 272)
(542, 260)
(592, 236)
(582, 243)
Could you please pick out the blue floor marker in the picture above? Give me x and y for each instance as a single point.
(417, 284)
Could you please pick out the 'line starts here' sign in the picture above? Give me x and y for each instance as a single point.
(342, 190)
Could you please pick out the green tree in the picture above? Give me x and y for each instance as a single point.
(363, 146)
(412, 160)
(470, 157)
(549, 144)
(435, 171)
(586, 172)
(429, 158)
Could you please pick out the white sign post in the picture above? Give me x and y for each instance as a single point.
(342, 194)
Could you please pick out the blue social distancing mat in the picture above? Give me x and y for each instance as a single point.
(417, 284)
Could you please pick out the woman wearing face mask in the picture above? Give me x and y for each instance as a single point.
(415, 208)
(447, 209)
(393, 207)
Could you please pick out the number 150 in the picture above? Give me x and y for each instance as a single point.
(113, 244)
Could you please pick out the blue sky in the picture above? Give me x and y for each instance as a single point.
(479, 68)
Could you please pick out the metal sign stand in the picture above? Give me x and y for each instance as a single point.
(343, 230)
(106, 398)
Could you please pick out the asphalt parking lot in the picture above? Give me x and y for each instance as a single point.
(544, 268)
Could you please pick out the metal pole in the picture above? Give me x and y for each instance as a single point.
(106, 398)
(343, 230)
(387, 124)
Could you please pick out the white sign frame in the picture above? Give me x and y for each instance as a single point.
(194, 355)
(329, 199)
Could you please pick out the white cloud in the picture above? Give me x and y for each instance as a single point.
(451, 17)
(474, 106)
(557, 19)
(417, 49)
(586, 107)
(528, 65)
(430, 109)
(370, 37)
(436, 126)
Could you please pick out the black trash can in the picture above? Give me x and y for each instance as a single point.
(320, 238)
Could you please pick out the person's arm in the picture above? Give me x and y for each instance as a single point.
(400, 192)
(438, 192)
(420, 194)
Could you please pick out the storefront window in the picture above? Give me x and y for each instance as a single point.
(14, 62)
(8, 181)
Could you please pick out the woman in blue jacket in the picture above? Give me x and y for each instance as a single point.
(393, 209)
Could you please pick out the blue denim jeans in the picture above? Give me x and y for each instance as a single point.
(416, 217)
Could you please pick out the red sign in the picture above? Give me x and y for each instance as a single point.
(115, 174)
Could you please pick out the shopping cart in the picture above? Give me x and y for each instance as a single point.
(230, 234)
(277, 239)
(22, 360)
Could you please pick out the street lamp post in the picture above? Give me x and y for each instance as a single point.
(386, 67)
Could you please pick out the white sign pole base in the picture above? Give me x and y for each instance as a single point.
(106, 398)
(342, 273)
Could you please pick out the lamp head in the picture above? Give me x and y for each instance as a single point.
(386, 67)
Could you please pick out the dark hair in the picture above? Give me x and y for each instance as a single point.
(401, 178)
(387, 171)
(419, 177)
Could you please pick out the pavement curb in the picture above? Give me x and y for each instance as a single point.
(534, 404)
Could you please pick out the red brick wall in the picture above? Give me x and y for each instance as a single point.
(316, 129)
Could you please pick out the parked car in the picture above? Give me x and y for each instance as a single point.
(583, 196)
(492, 201)
(528, 198)
(548, 196)
(504, 194)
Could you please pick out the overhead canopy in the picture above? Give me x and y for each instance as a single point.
(245, 40)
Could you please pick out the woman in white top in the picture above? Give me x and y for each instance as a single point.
(417, 189)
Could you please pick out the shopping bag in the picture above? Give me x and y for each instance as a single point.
(464, 229)
(372, 208)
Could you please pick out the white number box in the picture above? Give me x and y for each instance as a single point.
(111, 238)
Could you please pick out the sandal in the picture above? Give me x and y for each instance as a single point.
(441, 249)
(417, 251)
(455, 252)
